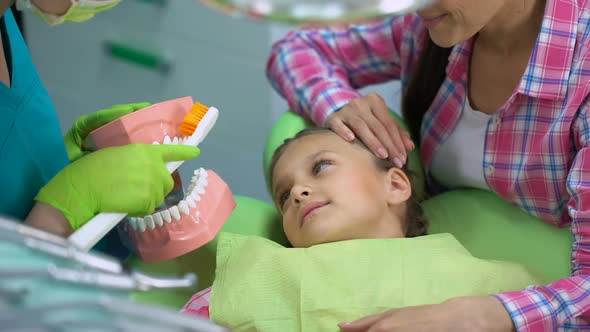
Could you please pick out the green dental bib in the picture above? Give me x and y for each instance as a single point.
(263, 286)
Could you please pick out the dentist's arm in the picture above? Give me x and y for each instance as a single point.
(55, 7)
(50, 219)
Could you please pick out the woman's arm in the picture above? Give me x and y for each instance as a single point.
(55, 7)
(50, 219)
(318, 69)
(566, 302)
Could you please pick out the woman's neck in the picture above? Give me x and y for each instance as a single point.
(515, 27)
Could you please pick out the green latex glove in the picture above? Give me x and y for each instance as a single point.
(130, 179)
(84, 125)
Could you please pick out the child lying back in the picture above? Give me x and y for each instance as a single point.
(355, 228)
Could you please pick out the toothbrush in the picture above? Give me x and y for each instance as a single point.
(197, 123)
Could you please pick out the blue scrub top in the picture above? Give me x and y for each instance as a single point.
(32, 150)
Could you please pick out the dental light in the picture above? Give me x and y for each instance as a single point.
(315, 11)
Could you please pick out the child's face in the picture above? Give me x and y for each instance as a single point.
(330, 190)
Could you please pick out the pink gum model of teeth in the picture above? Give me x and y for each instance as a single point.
(192, 223)
(196, 219)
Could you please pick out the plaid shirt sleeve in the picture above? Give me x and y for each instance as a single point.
(198, 304)
(319, 69)
(564, 304)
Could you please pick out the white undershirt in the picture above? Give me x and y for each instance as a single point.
(458, 161)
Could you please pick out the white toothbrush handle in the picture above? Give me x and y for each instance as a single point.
(88, 235)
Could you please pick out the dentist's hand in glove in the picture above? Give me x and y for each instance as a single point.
(87, 123)
(131, 179)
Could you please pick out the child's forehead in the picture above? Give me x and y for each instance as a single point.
(305, 148)
(316, 141)
(300, 150)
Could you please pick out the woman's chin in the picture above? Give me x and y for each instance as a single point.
(446, 38)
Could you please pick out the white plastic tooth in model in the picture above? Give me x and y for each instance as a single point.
(149, 222)
(158, 219)
(191, 187)
(133, 222)
(166, 216)
(195, 196)
(172, 140)
(196, 189)
(195, 180)
(175, 213)
(200, 190)
(183, 208)
(191, 203)
(141, 224)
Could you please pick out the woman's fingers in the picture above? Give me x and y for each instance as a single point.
(341, 129)
(395, 133)
(409, 144)
(362, 324)
(365, 133)
(368, 119)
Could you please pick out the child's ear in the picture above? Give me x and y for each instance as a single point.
(399, 188)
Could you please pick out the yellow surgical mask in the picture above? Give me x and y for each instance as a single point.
(80, 10)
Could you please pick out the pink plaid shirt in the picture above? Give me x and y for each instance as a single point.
(198, 305)
(537, 150)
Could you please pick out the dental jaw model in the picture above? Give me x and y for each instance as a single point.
(174, 230)
(184, 227)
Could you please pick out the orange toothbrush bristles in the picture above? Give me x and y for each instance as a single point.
(192, 118)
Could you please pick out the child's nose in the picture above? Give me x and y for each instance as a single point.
(301, 193)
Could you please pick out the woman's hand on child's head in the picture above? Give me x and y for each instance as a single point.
(473, 313)
(368, 119)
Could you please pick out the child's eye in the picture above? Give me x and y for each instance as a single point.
(284, 197)
(320, 166)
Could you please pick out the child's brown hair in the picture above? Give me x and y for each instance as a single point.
(416, 223)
